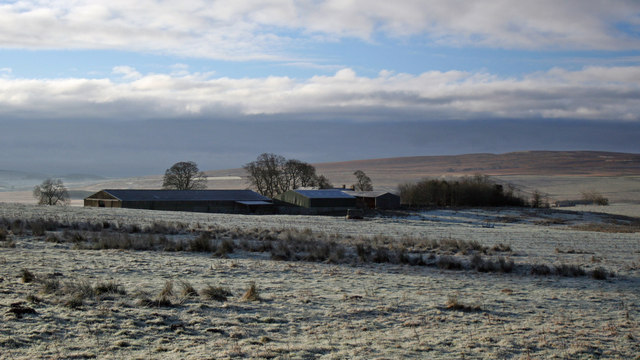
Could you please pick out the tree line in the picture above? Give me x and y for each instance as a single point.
(476, 190)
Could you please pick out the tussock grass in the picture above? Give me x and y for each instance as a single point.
(569, 270)
(453, 303)
(540, 269)
(601, 273)
(215, 293)
(252, 293)
(288, 244)
(449, 263)
(109, 288)
(27, 276)
(187, 290)
(201, 243)
(50, 286)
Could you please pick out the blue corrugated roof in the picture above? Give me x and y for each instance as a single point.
(186, 195)
(324, 194)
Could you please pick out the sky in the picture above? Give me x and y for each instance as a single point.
(126, 88)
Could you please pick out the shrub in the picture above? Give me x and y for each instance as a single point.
(595, 198)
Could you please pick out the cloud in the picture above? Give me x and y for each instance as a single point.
(5, 72)
(127, 72)
(599, 93)
(269, 30)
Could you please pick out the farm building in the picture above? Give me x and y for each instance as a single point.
(234, 201)
(321, 200)
(381, 200)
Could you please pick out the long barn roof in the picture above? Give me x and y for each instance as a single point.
(186, 195)
(324, 194)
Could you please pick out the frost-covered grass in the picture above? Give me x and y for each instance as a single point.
(197, 303)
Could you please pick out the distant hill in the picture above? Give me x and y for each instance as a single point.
(392, 171)
(562, 174)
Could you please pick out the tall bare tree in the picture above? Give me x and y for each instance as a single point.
(184, 175)
(265, 174)
(51, 192)
(363, 182)
(272, 174)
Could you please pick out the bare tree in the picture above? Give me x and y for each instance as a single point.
(51, 192)
(322, 182)
(363, 182)
(272, 174)
(265, 174)
(184, 175)
(298, 174)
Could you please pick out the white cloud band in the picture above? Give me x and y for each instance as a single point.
(243, 29)
(591, 93)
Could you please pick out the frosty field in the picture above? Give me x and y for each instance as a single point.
(345, 306)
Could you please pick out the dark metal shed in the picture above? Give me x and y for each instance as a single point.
(329, 199)
(381, 200)
(237, 201)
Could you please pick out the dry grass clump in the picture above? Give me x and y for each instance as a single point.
(453, 303)
(252, 293)
(569, 270)
(109, 288)
(163, 299)
(50, 286)
(501, 248)
(540, 269)
(202, 243)
(3, 233)
(38, 227)
(449, 263)
(601, 273)
(187, 289)
(224, 248)
(5, 240)
(216, 293)
(486, 265)
(27, 276)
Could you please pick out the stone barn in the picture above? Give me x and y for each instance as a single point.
(227, 201)
(381, 200)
